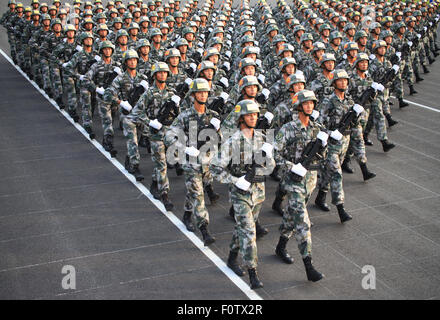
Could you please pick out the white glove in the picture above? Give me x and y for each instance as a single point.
(225, 82)
(224, 96)
(399, 54)
(396, 68)
(265, 92)
(344, 56)
(425, 28)
(228, 36)
(231, 29)
(377, 86)
(200, 44)
(228, 43)
(117, 70)
(257, 43)
(358, 109)
(410, 43)
(336, 135)
(210, 30)
(215, 123)
(299, 169)
(201, 36)
(372, 57)
(176, 99)
(78, 48)
(200, 50)
(81, 77)
(144, 84)
(269, 116)
(65, 64)
(126, 105)
(228, 53)
(315, 115)
(258, 62)
(323, 137)
(227, 65)
(419, 35)
(243, 184)
(188, 81)
(97, 58)
(155, 124)
(430, 24)
(191, 151)
(262, 78)
(193, 66)
(100, 90)
(268, 148)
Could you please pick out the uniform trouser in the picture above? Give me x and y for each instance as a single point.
(195, 195)
(158, 156)
(69, 87)
(130, 133)
(105, 112)
(397, 86)
(408, 72)
(332, 172)
(12, 46)
(377, 118)
(55, 76)
(296, 217)
(85, 98)
(247, 207)
(356, 147)
(207, 179)
(45, 73)
(34, 67)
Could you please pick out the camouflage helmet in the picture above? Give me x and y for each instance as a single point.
(361, 56)
(279, 38)
(84, 36)
(305, 37)
(45, 16)
(106, 44)
(121, 32)
(101, 15)
(318, 45)
(210, 52)
(88, 20)
(377, 44)
(68, 27)
(247, 81)
(271, 28)
(133, 25)
(246, 107)
(386, 33)
(55, 21)
(35, 13)
(249, 50)
(304, 96)
(285, 62)
(350, 46)
(187, 30)
(155, 32)
(116, 20)
(246, 62)
(173, 52)
(204, 65)
(349, 26)
(360, 34)
(181, 42)
(142, 43)
(247, 38)
(339, 74)
(158, 67)
(323, 27)
(327, 57)
(102, 26)
(296, 78)
(298, 28)
(129, 54)
(334, 35)
(286, 47)
(199, 85)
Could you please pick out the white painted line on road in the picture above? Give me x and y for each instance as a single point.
(419, 105)
(239, 282)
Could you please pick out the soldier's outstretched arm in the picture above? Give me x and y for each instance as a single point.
(219, 164)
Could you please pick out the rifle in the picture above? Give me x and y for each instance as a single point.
(135, 93)
(349, 118)
(167, 113)
(183, 88)
(218, 103)
(367, 96)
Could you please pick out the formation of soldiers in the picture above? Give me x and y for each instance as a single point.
(289, 91)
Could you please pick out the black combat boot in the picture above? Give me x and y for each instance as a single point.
(343, 215)
(134, 170)
(90, 132)
(275, 174)
(367, 141)
(179, 169)
(312, 274)
(59, 102)
(213, 197)
(187, 221)
(435, 54)
(260, 231)
(320, 201)
(253, 278)
(390, 120)
(233, 263)
(166, 201)
(412, 90)
(402, 104)
(73, 115)
(207, 238)
(154, 190)
(387, 146)
(276, 205)
(418, 77)
(231, 212)
(431, 60)
(107, 144)
(346, 165)
(281, 250)
(365, 172)
(425, 69)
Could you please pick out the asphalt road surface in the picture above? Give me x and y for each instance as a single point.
(64, 203)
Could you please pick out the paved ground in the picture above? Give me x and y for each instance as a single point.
(63, 203)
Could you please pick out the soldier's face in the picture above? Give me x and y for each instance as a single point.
(161, 76)
(189, 37)
(145, 50)
(88, 26)
(164, 31)
(134, 32)
(218, 46)
(308, 106)
(251, 119)
(103, 33)
(249, 70)
(117, 25)
(352, 53)
(251, 91)
(157, 38)
(329, 65)
(290, 69)
(326, 32)
(299, 33)
(351, 32)
(70, 34)
(381, 51)
(337, 41)
(46, 23)
(319, 53)
(363, 65)
(201, 96)
(341, 84)
(174, 61)
(213, 59)
(287, 54)
(56, 28)
(132, 63)
(363, 41)
(297, 87)
(308, 44)
(183, 49)
(107, 52)
(388, 40)
(209, 74)
(88, 42)
(123, 40)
